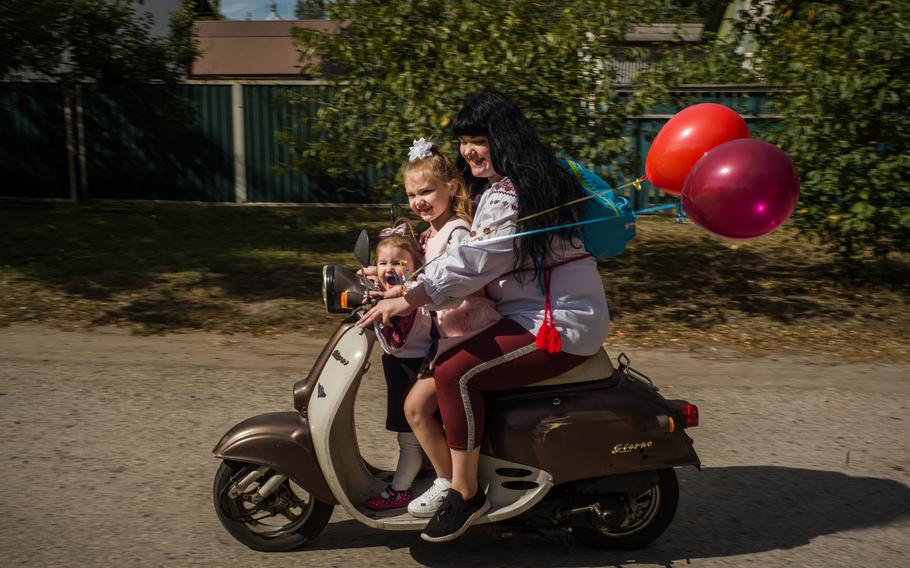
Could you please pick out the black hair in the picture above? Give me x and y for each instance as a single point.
(518, 153)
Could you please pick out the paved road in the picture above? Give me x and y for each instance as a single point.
(107, 438)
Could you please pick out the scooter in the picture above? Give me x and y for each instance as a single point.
(588, 454)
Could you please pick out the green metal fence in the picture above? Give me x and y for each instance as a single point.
(33, 150)
(158, 142)
(217, 143)
(270, 176)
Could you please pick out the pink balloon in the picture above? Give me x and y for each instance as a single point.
(741, 189)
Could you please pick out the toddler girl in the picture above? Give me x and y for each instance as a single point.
(405, 344)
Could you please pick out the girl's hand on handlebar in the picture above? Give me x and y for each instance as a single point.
(393, 292)
(385, 310)
(368, 271)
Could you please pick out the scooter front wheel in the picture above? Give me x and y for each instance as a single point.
(647, 516)
(264, 509)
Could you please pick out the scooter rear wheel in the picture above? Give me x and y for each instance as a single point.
(648, 517)
(287, 519)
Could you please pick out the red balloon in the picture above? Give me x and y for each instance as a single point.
(742, 189)
(685, 138)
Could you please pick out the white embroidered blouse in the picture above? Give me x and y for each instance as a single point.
(576, 290)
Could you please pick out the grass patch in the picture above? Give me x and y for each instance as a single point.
(173, 268)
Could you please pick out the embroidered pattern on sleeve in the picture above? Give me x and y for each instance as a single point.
(504, 186)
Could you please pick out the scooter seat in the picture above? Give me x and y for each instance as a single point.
(595, 368)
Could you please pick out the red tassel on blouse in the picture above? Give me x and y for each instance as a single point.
(548, 338)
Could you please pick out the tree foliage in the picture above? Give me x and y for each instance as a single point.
(102, 40)
(843, 116)
(845, 123)
(310, 10)
(401, 70)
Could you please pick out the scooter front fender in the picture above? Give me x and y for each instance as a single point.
(280, 440)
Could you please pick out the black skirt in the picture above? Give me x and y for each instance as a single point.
(400, 376)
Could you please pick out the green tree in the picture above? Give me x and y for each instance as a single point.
(401, 70)
(846, 69)
(310, 10)
(72, 40)
(845, 124)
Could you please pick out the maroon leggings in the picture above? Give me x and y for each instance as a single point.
(501, 357)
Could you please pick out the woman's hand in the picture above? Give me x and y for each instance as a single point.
(385, 310)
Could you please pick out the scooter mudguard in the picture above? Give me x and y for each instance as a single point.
(280, 440)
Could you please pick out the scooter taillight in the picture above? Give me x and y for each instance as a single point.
(687, 412)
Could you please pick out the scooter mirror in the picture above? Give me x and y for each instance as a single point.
(362, 249)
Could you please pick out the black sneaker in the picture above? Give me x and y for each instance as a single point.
(454, 516)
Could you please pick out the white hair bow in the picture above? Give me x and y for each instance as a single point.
(397, 230)
(420, 149)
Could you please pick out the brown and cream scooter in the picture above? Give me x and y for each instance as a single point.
(589, 453)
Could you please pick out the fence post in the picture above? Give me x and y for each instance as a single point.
(637, 197)
(71, 165)
(75, 142)
(239, 143)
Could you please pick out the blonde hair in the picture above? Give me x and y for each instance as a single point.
(442, 167)
(407, 241)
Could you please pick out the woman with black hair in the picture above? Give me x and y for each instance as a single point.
(545, 285)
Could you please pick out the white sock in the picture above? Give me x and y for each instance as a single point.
(410, 459)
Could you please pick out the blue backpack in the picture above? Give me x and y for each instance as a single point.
(609, 222)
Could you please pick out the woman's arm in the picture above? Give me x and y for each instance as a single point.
(385, 310)
(469, 266)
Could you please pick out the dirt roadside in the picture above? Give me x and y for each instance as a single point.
(108, 439)
(293, 351)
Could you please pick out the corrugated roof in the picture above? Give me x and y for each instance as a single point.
(242, 48)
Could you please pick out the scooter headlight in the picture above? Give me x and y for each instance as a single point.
(342, 289)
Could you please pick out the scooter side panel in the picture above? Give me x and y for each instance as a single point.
(303, 389)
(331, 415)
(280, 440)
(584, 431)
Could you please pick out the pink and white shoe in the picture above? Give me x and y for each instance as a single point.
(390, 499)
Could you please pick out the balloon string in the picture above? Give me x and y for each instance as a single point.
(467, 242)
(657, 208)
(634, 183)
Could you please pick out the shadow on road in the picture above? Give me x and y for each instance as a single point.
(722, 512)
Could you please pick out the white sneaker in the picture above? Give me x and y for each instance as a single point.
(425, 504)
